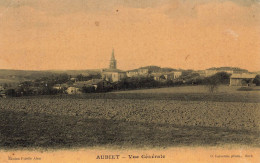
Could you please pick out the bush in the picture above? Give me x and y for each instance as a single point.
(10, 92)
(88, 89)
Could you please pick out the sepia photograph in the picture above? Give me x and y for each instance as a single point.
(129, 81)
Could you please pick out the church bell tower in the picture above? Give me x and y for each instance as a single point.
(112, 64)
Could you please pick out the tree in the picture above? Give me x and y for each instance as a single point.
(214, 81)
(222, 77)
(256, 80)
(189, 75)
(212, 84)
(246, 82)
(169, 83)
(80, 77)
(62, 78)
(135, 82)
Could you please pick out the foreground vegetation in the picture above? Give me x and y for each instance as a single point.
(130, 120)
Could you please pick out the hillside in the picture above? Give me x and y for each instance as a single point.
(16, 76)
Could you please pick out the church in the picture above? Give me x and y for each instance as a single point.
(112, 74)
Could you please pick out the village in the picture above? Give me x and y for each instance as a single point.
(112, 78)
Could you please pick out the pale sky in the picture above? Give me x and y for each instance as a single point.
(80, 34)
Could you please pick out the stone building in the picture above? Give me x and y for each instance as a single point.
(167, 75)
(138, 72)
(112, 74)
(176, 74)
(243, 79)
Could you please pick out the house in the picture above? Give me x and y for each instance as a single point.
(2, 92)
(73, 90)
(158, 76)
(177, 74)
(172, 75)
(169, 76)
(138, 72)
(243, 79)
(132, 73)
(143, 71)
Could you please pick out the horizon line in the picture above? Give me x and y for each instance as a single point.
(94, 69)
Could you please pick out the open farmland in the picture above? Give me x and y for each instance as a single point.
(195, 90)
(143, 118)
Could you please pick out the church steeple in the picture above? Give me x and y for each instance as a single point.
(112, 61)
(113, 56)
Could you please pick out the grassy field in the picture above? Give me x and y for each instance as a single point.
(195, 89)
(166, 117)
(2, 81)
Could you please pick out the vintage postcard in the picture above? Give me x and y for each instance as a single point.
(129, 81)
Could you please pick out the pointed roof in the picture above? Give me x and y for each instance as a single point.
(113, 56)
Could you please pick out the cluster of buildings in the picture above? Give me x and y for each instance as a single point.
(167, 75)
(239, 77)
(76, 87)
(112, 74)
